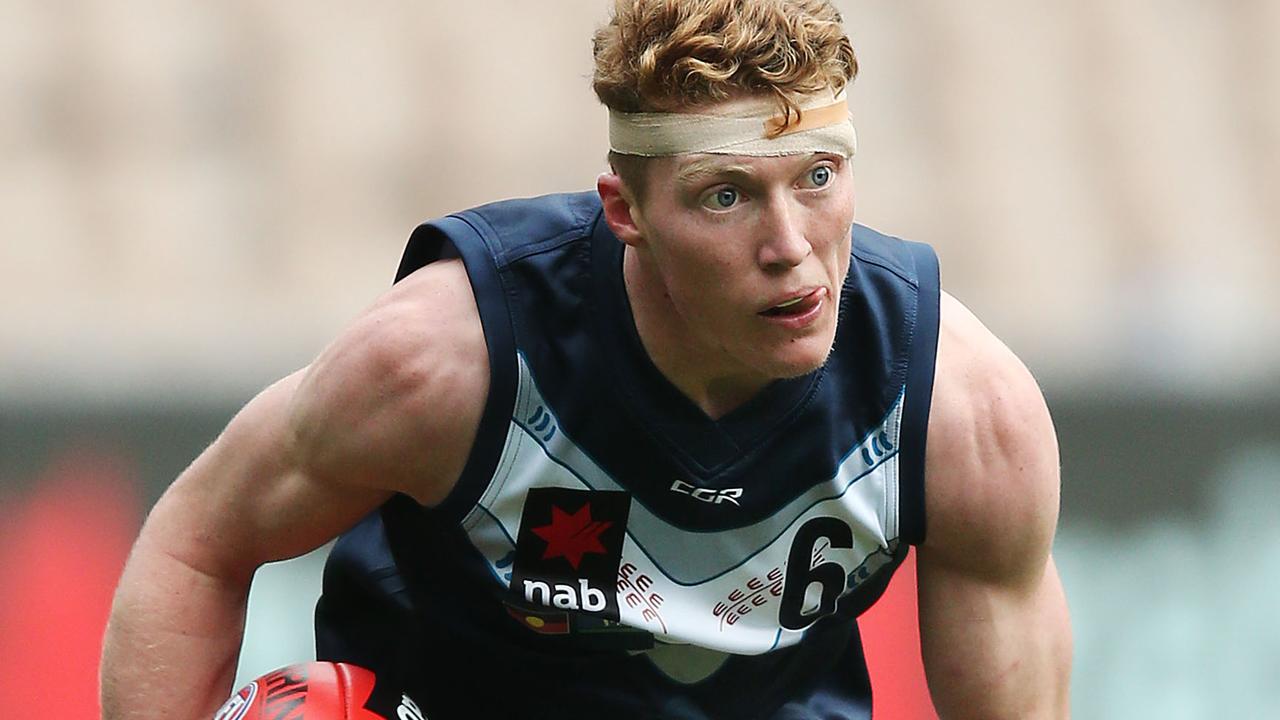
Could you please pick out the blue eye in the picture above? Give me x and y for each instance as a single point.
(820, 175)
(726, 197)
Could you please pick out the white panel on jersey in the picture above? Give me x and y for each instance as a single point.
(724, 590)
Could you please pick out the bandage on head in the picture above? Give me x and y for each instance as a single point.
(753, 127)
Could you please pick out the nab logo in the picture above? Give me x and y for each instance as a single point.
(569, 548)
(565, 597)
(707, 495)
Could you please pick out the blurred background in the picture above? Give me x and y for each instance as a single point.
(194, 198)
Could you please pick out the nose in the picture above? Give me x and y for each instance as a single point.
(783, 244)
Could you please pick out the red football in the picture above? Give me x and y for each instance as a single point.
(306, 691)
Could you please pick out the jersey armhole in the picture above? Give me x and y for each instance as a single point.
(453, 236)
(918, 394)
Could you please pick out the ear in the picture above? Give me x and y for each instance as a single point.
(620, 210)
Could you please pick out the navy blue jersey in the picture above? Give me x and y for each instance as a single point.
(609, 550)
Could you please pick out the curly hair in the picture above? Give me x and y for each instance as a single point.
(670, 55)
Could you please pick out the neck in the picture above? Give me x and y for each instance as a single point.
(705, 374)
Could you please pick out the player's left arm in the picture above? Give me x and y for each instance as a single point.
(994, 625)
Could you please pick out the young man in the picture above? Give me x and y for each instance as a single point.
(644, 452)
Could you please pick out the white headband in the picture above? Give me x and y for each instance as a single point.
(748, 127)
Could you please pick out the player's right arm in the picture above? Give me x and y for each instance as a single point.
(391, 406)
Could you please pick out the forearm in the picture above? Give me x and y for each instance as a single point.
(172, 640)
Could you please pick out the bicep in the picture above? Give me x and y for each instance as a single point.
(392, 405)
(250, 498)
(994, 626)
(179, 609)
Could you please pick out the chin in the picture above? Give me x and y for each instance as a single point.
(798, 358)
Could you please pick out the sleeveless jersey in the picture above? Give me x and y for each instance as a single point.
(609, 550)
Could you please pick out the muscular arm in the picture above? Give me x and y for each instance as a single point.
(994, 625)
(392, 405)
(176, 624)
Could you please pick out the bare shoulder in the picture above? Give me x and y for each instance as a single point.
(395, 401)
(991, 474)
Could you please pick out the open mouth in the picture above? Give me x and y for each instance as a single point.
(795, 306)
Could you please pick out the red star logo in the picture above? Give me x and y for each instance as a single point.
(572, 536)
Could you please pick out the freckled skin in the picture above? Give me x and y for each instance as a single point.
(706, 254)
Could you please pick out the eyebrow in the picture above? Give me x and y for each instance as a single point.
(699, 170)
